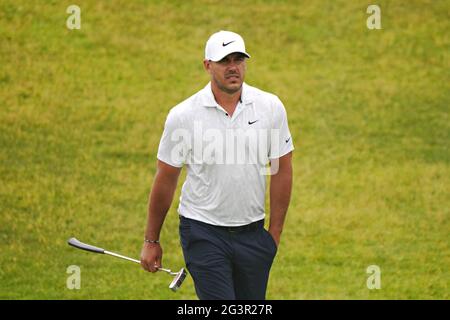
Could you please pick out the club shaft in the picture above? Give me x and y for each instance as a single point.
(121, 256)
(134, 260)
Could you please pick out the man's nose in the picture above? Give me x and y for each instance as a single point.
(232, 65)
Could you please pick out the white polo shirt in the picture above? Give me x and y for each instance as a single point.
(226, 157)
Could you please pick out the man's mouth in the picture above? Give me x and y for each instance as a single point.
(231, 76)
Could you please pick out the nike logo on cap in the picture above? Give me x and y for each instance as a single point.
(225, 44)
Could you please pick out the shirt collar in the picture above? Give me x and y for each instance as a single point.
(208, 99)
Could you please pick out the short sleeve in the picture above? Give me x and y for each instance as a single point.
(174, 144)
(280, 137)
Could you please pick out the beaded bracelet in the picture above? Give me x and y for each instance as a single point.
(151, 241)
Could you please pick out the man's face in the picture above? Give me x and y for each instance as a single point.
(229, 73)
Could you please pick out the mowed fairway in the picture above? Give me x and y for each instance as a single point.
(82, 111)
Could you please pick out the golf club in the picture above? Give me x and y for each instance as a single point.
(174, 285)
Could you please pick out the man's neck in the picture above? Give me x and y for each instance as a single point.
(228, 101)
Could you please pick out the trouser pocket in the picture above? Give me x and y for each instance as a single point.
(185, 230)
(270, 241)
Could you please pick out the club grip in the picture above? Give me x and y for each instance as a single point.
(84, 246)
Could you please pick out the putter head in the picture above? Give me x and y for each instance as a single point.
(178, 280)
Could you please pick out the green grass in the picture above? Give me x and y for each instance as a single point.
(82, 111)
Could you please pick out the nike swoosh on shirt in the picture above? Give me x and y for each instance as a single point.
(287, 140)
(252, 122)
(225, 44)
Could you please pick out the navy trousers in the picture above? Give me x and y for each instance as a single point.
(227, 263)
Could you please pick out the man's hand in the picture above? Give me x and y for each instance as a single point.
(151, 256)
(276, 236)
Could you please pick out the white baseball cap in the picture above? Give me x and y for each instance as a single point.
(222, 43)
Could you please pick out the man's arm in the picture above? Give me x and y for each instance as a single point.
(161, 196)
(280, 195)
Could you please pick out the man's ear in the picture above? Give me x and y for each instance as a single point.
(207, 65)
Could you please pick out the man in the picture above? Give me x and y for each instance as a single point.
(226, 248)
